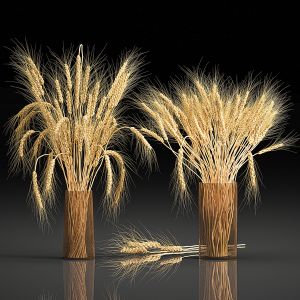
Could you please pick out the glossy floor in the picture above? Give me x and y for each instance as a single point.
(263, 276)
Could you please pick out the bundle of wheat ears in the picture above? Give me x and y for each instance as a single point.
(131, 250)
(217, 126)
(73, 121)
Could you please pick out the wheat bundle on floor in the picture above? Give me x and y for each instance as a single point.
(73, 122)
(215, 126)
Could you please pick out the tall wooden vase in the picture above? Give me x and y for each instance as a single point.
(218, 220)
(79, 241)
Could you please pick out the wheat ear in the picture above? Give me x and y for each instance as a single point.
(152, 134)
(59, 92)
(36, 192)
(134, 250)
(109, 175)
(49, 174)
(121, 182)
(59, 124)
(180, 172)
(68, 76)
(23, 141)
(271, 148)
(77, 80)
(171, 261)
(141, 138)
(252, 173)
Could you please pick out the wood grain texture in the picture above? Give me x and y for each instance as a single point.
(218, 220)
(79, 280)
(218, 280)
(79, 241)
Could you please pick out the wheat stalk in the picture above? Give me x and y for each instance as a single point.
(252, 172)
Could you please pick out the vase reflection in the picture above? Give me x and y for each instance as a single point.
(218, 280)
(79, 279)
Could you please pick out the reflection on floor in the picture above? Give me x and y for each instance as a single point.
(218, 280)
(79, 279)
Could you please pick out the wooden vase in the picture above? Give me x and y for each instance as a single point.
(79, 241)
(218, 220)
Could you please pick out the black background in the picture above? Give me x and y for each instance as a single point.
(237, 38)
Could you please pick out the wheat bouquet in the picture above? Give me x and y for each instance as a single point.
(73, 122)
(214, 127)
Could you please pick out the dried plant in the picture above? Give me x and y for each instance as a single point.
(129, 241)
(214, 126)
(73, 122)
(131, 252)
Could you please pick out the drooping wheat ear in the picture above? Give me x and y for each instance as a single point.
(180, 172)
(162, 128)
(109, 175)
(141, 138)
(36, 192)
(271, 148)
(49, 174)
(252, 172)
(37, 143)
(23, 142)
(144, 148)
(134, 250)
(152, 134)
(121, 182)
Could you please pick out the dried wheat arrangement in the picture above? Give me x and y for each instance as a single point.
(214, 127)
(74, 122)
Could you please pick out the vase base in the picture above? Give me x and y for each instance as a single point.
(231, 253)
(78, 258)
(219, 258)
